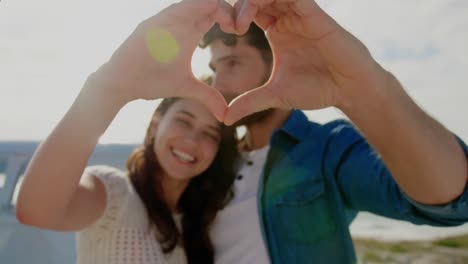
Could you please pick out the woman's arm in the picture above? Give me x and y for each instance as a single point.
(52, 195)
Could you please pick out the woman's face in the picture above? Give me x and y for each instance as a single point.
(187, 139)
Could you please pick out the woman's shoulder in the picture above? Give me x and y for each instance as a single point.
(124, 211)
(117, 189)
(113, 179)
(122, 198)
(116, 183)
(104, 172)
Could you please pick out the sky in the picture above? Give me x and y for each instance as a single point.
(49, 47)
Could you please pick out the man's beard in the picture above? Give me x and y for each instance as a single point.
(257, 117)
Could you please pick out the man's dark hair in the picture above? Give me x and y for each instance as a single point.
(255, 37)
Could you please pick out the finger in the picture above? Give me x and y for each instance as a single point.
(245, 16)
(208, 96)
(223, 14)
(249, 103)
(276, 9)
(264, 20)
(237, 6)
(306, 8)
(283, 7)
(228, 28)
(225, 17)
(198, 8)
(186, 11)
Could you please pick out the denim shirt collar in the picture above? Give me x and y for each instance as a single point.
(297, 126)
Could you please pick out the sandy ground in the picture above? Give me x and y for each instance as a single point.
(453, 250)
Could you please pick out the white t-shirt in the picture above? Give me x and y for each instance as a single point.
(236, 232)
(122, 235)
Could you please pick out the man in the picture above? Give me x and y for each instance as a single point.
(301, 183)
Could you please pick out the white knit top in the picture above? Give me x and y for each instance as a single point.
(122, 234)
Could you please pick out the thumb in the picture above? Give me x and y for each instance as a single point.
(208, 96)
(248, 103)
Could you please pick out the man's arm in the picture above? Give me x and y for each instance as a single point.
(319, 64)
(424, 157)
(366, 184)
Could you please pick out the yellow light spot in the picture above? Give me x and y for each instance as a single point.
(162, 45)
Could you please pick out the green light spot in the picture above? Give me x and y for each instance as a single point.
(162, 46)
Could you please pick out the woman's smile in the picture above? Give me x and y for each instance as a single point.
(183, 156)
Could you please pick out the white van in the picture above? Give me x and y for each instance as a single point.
(21, 244)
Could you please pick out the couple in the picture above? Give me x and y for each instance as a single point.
(298, 184)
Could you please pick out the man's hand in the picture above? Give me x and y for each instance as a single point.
(154, 62)
(317, 63)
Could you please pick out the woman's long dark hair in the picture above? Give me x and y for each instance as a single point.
(204, 196)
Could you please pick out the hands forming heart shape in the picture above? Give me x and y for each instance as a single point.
(316, 62)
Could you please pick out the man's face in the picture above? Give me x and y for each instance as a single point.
(237, 69)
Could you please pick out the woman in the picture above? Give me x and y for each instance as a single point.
(161, 210)
(175, 183)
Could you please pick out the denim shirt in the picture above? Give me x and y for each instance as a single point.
(316, 179)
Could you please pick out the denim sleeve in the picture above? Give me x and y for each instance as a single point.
(456, 210)
(366, 184)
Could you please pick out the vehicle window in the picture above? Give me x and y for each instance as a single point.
(20, 178)
(3, 165)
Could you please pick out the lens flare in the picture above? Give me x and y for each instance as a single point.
(162, 45)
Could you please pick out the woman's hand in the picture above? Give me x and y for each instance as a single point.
(155, 60)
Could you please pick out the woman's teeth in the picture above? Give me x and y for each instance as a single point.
(183, 156)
